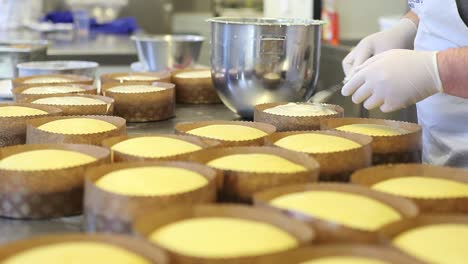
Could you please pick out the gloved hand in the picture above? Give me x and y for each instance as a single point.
(395, 79)
(401, 36)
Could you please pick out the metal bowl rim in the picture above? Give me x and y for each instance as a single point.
(265, 21)
(168, 38)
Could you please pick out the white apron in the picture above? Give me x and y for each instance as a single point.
(444, 118)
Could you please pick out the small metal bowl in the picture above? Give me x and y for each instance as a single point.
(85, 68)
(168, 52)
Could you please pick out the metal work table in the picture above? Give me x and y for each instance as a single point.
(16, 229)
(107, 49)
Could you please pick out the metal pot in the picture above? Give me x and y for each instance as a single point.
(257, 61)
(168, 52)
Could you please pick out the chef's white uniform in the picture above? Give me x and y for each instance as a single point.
(444, 118)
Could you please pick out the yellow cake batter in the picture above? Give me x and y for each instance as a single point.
(372, 129)
(441, 243)
(316, 143)
(69, 100)
(45, 159)
(194, 74)
(151, 181)
(303, 109)
(423, 187)
(53, 90)
(259, 163)
(47, 79)
(222, 237)
(228, 132)
(136, 77)
(76, 253)
(77, 125)
(348, 209)
(11, 111)
(135, 89)
(345, 260)
(154, 147)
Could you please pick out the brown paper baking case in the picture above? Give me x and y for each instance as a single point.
(13, 129)
(146, 224)
(35, 135)
(76, 79)
(119, 156)
(137, 246)
(404, 148)
(143, 107)
(20, 97)
(107, 108)
(163, 76)
(338, 165)
(332, 232)
(45, 193)
(293, 123)
(240, 186)
(111, 212)
(184, 128)
(311, 253)
(369, 177)
(195, 90)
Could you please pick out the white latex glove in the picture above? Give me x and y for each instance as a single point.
(395, 79)
(400, 36)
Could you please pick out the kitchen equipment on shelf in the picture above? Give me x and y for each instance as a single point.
(85, 68)
(257, 61)
(168, 52)
(15, 52)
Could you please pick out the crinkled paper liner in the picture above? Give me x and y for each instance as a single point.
(45, 193)
(184, 128)
(405, 148)
(391, 231)
(338, 165)
(107, 108)
(143, 107)
(374, 175)
(111, 212)
(74, 79)
(28, 98)
(152, 221)
(112, 78)
(293, 123)
(13, 129)
(332, 232)
(119, 156)
(35, 135)
(137, 246)
(310, 253)
(195, 90)
(240, 186)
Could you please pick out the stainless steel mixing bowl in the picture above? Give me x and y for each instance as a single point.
(256, 61)
(168, 52)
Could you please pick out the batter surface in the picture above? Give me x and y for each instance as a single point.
(217, 237)
(348, 209)
(151, 181)
(45, 159)
(260, 163)
(316, 143)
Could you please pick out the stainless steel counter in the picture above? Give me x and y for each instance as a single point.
(16, 229)
(106, 49)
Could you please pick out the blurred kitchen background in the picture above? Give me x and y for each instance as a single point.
(355, 19)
